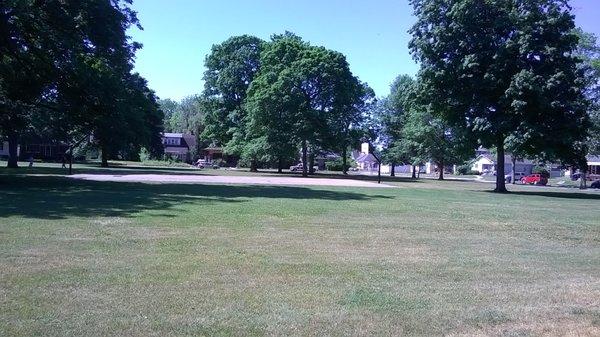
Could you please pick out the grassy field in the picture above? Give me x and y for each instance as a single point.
(426, 258)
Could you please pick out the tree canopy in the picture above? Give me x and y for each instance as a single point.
(505, 71)
(71, 63)
(265, 100)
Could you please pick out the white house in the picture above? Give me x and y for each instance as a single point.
(4, 149)
(593, 164)
(179, 145)
(364, 159)
(486, 164)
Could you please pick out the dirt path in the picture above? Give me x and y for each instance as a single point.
(247, 180)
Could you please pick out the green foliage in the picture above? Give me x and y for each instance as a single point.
(304, 96)
(144, 155)
(186, 116)
(338, 165)
(588, 51)
(504, 71)
(230, 68)
(542, 171)
(66, 72)
(391, 114)
(466, 170)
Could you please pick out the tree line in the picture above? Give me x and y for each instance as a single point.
(66, 73)
(267, 101)
(515, 76)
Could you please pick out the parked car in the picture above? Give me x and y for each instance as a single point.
(575, 176)
(509, 178)
(298, 168)
(534, 179)
(595, 184)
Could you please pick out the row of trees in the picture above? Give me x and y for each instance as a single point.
(66, 74)
(265, 101)
(185, 116)
(510, 75)
(410, 133)
(513, 75)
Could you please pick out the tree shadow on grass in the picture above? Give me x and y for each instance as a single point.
(60, 197)
(550, 194)
(102, 170)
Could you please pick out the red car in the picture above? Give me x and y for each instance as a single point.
(534, 179)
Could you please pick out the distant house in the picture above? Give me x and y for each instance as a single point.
(209, 154)
(593, 165)
(43, 149)
(364, 159)
(4, 149)
(322, 158)
(486, 163)
(179, 145)
(37, 148)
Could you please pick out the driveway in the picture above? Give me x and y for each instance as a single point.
(247, 180)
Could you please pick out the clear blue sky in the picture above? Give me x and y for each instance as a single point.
(372, 34)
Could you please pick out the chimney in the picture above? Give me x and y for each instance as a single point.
(364, 148)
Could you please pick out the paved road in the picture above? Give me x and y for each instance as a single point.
(202, 179)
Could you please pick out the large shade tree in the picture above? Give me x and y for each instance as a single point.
(70, 63)
(305, 96)
(505, 70)
(588, 51)
(390, 114)
(230, 68)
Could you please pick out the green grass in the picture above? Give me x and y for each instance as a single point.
(427, 258)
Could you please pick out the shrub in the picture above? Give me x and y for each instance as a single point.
(337, 165)
(463, 169)
(144, 155)
(541, 171)
(466, 170)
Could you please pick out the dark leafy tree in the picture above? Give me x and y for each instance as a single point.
(505, 71)
(231, 67)
(588, 51)
(304, 96)
(391, 115)
(70, 62)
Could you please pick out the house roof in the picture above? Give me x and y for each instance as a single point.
(190, 140)
(366, 158)
(328, 155)
(173, 135)
(593, 159)
(507, 159)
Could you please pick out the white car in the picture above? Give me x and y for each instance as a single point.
(518, 175)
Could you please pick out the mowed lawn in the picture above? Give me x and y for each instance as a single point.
(426, 258)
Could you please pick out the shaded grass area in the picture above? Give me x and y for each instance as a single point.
(97, 258)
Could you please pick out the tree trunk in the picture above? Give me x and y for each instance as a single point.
(514, 170)
(500, 182)
(393, 169)
(71, 160)
(279, 165)
(13, 149)
(441, 169)
(311, 162)
(583, 180)
(304, 159)
(345, 160)
(414, 172)
(104, 162)
(253, 165)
